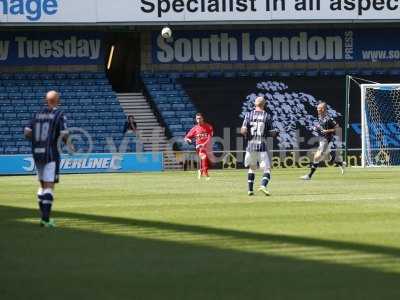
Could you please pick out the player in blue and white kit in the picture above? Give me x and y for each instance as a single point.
(326, 130)
(257, 126)
(46, 130)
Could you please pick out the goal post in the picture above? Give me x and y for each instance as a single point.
(380, 125)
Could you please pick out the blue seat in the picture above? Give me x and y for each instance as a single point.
(187, 75)
(10, 116)
(86, 75)
(380, 72)
(174, 75)
(171, 121)
(164, 107)
(243, 74)
(24, 115)
(394, 72)
(16, 130)
(339, 72)
(20, 76)
(190, 106)
(24, 150)
(326, 72)
(298, 73)
(367, 72)
(167, 87)
(179, 107)
(168, 114)
(161, 75)
(230, 74)
(270, 73)
(6, 76)
(216, 74)
(202, 75)
(311, 73)
(353, 72)
(11, 150)
(150, 81)
(256, 74)
(99, 75)
(22, 143)
(147, 74)
(72, 75)
(284, 73)
(46, 76)
(101, 82)
(21, 109)
(154, 87)
(176, 127)
(12, 89)
(184, 114)
(164, 80)
(9, 83)
(175, 100)
(179, 133)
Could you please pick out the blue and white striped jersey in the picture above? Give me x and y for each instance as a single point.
(47, 126)
(258, 124)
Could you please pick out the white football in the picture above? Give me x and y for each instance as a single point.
(166, 32)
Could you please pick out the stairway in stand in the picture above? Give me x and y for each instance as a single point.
(151, 134)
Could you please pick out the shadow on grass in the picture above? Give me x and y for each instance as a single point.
(80, 263)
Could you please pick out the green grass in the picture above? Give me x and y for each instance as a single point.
(168, 236)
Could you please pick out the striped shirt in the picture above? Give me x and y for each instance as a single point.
(326, 123)
(258, 124)
(47, 126)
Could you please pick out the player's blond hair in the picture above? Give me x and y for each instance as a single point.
(259, 102)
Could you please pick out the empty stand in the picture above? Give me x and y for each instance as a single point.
(172, 102)
(86, 98)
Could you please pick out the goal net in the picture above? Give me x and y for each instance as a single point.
(380, 124)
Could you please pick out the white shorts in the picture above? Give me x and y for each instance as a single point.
(255, 158)
(47, 172)
(324, 147)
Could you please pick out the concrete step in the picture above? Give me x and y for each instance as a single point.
(152, 135)
(134, 106)
(148, 125)
(152, 130)
(143, 113)
(134, 101)
(130, 96)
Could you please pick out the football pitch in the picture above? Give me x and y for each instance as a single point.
(170, 236)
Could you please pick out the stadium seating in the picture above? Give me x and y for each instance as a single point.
(160, 78)
(170, 99)
(86, 98)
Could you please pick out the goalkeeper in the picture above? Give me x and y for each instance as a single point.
(326, 130)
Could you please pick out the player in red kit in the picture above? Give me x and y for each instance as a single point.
(203, 133)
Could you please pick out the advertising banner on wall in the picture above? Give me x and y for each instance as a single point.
(172, 11)
(35, 48)
(87, 163)
(275, 46)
